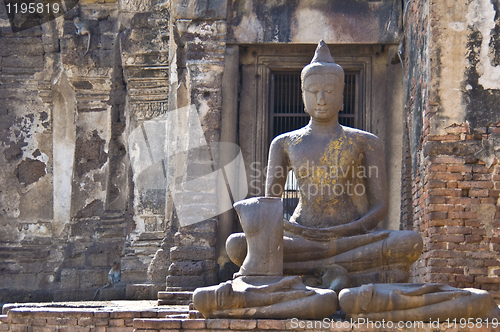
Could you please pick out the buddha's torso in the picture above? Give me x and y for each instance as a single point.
(331, 176)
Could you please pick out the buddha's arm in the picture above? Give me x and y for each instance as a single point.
(277, 168)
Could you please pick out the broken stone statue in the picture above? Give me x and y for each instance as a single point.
(417, 302)
(259, 289)
(343, 191)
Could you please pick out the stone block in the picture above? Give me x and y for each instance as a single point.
(191, 282)
(35, 61)
(194, 324)
(195, 239)
(271, 324)
(192, 253)
(192, 268)
(144, 291)
(200, 9)
(242, 324)
(217, 324)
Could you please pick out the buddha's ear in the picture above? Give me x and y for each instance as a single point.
(365, 297)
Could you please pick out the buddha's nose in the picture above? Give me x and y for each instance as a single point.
(321, 97)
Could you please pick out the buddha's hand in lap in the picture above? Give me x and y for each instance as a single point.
(331, 233)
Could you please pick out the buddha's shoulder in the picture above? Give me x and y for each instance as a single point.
(361, 135)
(291, 137)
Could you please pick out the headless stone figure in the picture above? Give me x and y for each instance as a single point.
(263, 228)
(259, 289)
(343, 191)
(416, 302)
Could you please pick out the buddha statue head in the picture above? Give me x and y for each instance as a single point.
(323, 85)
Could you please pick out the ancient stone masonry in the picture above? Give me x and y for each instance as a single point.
(199, 34)
(144, 57)
(26, 156)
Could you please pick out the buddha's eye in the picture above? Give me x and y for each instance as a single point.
(313, 88)
(329, 88)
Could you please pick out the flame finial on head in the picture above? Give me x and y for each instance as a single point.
(322, 53)
(323, 63)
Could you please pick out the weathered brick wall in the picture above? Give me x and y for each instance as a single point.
(454, 170)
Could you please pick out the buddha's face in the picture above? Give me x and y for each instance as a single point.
(323, 96)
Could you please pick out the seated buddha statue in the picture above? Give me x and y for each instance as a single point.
(342, 187)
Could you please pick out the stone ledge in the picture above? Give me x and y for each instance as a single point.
(142, 316)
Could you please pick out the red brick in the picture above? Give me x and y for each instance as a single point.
(437, 277)
(494, 193)
(125, 314)
(444, 160)
(464, 278)
(38, 322)
(462, 215)
(443, 254)
(456, 129)
(451, 185)
(487, 280)
(98, 329)
(446, 176)
(435, 200)
(472, 223)
(193, 324)
(459, 168)
(436, 184)
(21, 320)
(271, 324)
(86, 321)
(437, 168)
(216, 324)
(45, 329)
(478, 231)
(458, 230)
(444, 138)
(19, 328)
(447, 238)
(435, 245)
(158, 323)
(481, 177)
(475, 184)
(149, 314)
(74, 329)
(480, 169)
(119, 329)
(98, 322)
(473, 238)
(62, 321)
(446, 222)
(436, 230)
(441, 269)
(55, 313)
(242, 324)
(445, 192)
(101, 314)
(436, 215)
(117, 322)
(478, 193)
